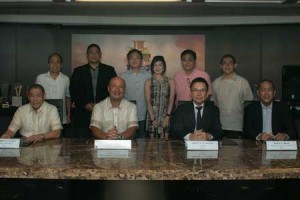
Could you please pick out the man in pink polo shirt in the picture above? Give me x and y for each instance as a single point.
(184, 77)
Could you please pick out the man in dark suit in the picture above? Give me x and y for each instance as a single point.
(197, 119)
(88, 86)
(268, 119)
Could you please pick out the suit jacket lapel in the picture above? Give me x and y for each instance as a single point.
(274, 115)
(192, 116)
(205, 114)
(99, 79)
(89, 79)
(259, 117)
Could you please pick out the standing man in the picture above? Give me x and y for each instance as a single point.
(56, 84)
(230, 91)
(184, 78)
(37, 120)
(135, 79)
(268, 119)
(88, 86)
(197, 120)
(114, 117)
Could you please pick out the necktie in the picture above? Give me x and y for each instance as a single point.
(198, 125)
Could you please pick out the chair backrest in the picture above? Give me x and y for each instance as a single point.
(133, 101)
(59, 105)
(182, 102)
(247, 103)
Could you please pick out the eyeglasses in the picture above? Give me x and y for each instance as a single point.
(199, 90)
(93, 53)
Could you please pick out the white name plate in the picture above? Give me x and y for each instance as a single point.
(113, 153)
(9, 143)
(275, 155)
(9, 152)
(112, 144)
(281, 145)
(201, 154)
(202, 145)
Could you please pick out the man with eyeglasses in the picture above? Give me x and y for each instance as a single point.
(230, 91)
(267, 119)
(197, 119)
(88, 86)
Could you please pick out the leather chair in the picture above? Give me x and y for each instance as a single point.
(59, 105)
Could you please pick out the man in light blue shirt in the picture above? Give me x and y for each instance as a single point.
(268, 119)
(135, 79)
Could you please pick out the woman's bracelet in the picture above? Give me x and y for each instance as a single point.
(169, 115)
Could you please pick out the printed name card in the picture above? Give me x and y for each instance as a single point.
(275, 155)
(281, 145)
(113, 153)
(112, 144)
(202, 154)
(202, 145)
(9, 143)
(9, 152)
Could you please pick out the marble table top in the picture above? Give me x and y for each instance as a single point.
(148, 160)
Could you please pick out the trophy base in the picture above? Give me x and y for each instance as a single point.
(16, 101)
(5, 105)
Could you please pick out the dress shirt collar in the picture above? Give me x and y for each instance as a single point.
(195, 105)
(141, 71)
(266, 107)
(233, 77)
(41, 109)
(190, 74)
(120, 105)
(49, 75)
(97, 67)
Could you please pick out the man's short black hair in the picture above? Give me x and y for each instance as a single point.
(91, 46)
(228, 56)
(199, 80)
(55, 54)
(36, 86)
(132, 51)
(190, 52)
(266, 80)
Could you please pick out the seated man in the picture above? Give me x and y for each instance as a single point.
(197, 120)
(267, 119)
(114, 117)
(37, 120)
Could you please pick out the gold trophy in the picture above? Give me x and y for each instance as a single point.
(4, 90)
(140, 45)
(17, 100)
